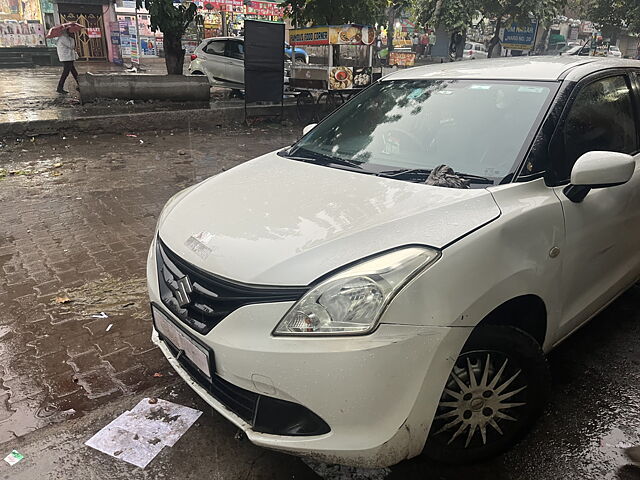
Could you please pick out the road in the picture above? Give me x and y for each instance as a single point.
(77, 217)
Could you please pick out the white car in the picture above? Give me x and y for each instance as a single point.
(221, 59)
(473, 50)
(337, 299)
(614, 51)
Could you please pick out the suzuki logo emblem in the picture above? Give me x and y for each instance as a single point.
(184, 289)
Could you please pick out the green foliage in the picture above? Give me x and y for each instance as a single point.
(170, 19)
(450, 14)
(459, 14)
(613, 15)
(335, 12)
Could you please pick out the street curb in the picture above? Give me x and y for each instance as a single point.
(146, 121)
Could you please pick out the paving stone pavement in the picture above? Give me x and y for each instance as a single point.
(77, 216)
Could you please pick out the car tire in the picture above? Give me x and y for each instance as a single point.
(197, 72)
(481, 416)
(300, 60)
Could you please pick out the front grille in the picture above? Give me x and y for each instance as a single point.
(240, 401)
(202, 300)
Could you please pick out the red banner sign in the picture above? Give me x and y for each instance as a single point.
(265, 9)
(226, 5)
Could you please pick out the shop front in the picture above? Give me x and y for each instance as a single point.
(91, 42)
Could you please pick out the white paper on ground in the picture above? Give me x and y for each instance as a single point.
(127, 446)
(164, 420)
(138, 435)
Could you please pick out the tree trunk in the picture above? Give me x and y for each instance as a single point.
(496, 37)
(391, 16)
(173, 54)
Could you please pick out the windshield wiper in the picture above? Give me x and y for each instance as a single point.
(477, 179)
(315, 157)
(417, 173)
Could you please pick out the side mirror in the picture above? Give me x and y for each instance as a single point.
(598, 170)
(308, 128)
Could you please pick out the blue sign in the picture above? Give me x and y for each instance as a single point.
(519, 37)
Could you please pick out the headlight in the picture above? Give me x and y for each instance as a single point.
(352, 301)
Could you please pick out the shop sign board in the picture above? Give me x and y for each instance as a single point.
(519, 36)
(133, 40)
(223, 5)
(587, 28)
(333, 35)
(265, 9)
(403, 59)
(94, 32)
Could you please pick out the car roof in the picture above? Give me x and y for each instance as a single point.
(541, 68)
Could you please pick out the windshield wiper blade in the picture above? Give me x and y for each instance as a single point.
(404, 172)
(477, 179)
(315, 157)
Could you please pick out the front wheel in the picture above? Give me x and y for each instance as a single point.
(497, 388)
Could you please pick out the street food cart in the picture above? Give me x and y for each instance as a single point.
(340, 64)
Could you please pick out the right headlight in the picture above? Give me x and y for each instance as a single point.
(352, 301)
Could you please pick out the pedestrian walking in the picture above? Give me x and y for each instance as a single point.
(67, 54)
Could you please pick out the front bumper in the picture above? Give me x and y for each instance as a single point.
(378, 393)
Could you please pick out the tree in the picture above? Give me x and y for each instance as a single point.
(508, 11)
(452, 15)
(612, 16)
(172, 20)
(333, 12)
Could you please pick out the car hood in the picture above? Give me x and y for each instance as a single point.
(276, 221)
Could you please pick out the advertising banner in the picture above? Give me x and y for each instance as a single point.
(519, 37)
(133, 40)
(223, 5)
(310, 36)
(333, 35)
(266, 9)
(404, 59)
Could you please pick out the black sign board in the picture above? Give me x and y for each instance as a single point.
(263, 61)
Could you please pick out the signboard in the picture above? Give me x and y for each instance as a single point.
(519, 37)
(404, 59)
(333, 35)
(263, 61)
(133, 36)
(587, 28)
(265, 9)
(310, 36)
(94, 32)
(222, 5)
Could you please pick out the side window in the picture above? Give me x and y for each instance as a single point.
(601, 118)
(215, 48)
(235, 50)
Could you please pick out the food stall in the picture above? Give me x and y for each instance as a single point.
(340, 64)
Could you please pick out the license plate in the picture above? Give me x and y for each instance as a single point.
(198, 355)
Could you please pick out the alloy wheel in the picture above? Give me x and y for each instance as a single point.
(483, 400)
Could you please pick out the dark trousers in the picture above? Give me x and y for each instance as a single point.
(68, 68)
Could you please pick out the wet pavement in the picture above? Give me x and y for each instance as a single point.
(30, 94)
(77, 215)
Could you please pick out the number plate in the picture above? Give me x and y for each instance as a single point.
(195, 352)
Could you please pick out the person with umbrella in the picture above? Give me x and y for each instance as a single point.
(66, 48)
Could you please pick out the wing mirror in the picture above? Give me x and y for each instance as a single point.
(308, 128)
(598, 170)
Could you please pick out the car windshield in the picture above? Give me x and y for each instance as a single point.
(421, 124)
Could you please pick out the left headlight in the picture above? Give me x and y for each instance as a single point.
(352, 301)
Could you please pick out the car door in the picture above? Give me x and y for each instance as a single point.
(215, 61)
(601, 256)
(234, 54)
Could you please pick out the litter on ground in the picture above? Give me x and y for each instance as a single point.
(139, 434)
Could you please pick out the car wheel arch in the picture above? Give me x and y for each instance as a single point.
(525, 312)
